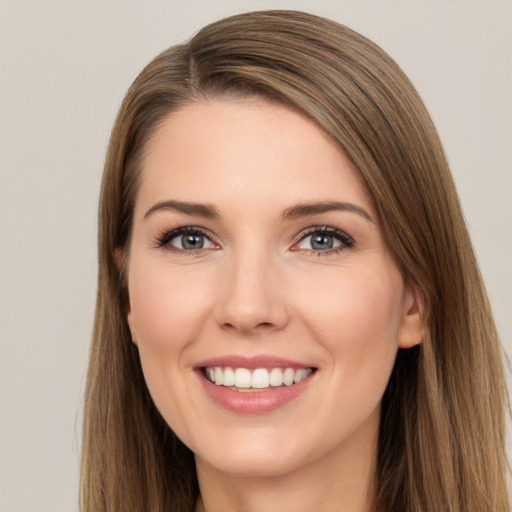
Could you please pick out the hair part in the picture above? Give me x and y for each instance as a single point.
(441, 439)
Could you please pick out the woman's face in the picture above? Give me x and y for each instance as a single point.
(257, 258)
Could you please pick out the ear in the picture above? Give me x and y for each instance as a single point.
(131, 322)
(411, 327)
(120, 259)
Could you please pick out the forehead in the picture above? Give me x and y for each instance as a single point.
(247, 150)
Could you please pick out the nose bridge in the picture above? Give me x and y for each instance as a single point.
(251, 300)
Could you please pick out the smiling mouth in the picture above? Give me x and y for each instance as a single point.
(258, 379)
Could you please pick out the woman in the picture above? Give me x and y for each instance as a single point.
(289, 309)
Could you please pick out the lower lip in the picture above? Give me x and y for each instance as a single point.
(257, 402)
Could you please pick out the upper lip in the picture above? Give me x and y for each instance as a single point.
(252, 362)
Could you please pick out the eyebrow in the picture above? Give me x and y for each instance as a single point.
(298, 211)
(199, 210)
(307, 209)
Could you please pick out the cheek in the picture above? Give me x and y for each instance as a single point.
(357, 321)
(167, 313)
(166, 307)
(357, 312)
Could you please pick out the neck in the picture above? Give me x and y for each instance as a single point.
(339, 481)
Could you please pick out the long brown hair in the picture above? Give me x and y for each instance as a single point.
(441, 439)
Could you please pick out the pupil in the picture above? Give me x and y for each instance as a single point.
(322, 242)
(192, 241)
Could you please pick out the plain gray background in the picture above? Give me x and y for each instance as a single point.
(64, 67)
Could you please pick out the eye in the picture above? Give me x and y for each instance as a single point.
(186, 239)
(319, 242)
(191, 241)
(329, 240)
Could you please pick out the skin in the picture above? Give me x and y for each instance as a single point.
(258, 287)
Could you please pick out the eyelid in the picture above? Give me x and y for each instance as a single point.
(166, 235)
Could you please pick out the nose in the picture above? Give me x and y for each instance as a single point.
(252, 300)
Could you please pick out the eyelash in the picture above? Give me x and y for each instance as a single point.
(347, 242)
(163, 240)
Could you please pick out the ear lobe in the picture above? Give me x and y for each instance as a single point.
(130, 320)
(411, 328)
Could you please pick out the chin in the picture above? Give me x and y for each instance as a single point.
(257, 453)
(252, 463)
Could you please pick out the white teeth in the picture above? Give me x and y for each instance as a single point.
(288, 376)
(218, 376)
(260, 378)
(242, 378)
(300, 374)
(276, 377)
(228, 378)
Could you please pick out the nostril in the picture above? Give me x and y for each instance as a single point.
(261, 325)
